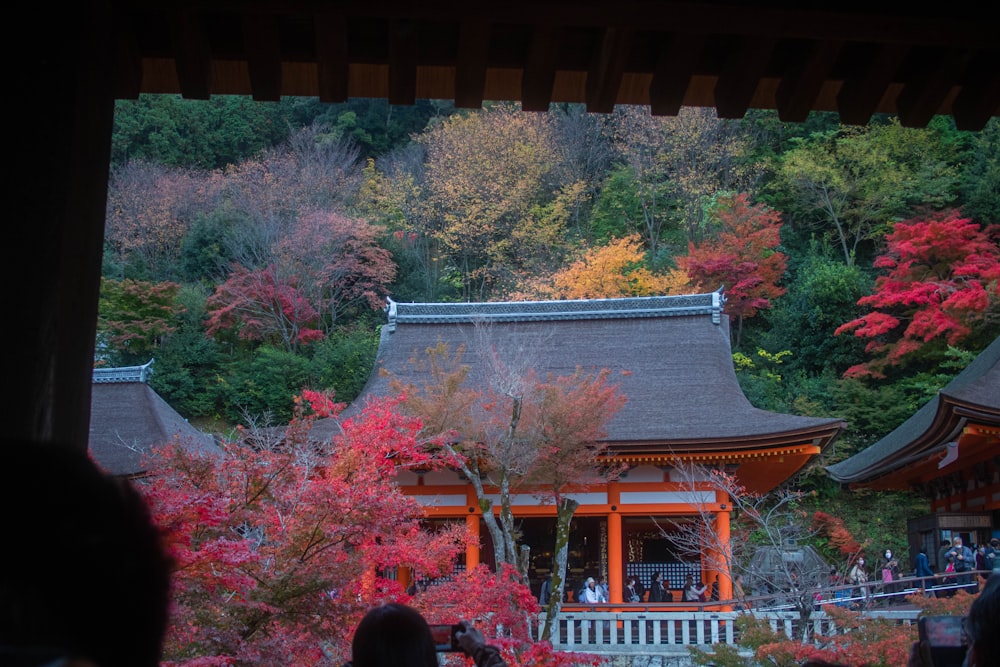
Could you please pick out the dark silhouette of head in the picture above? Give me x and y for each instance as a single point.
(981, 626)
(83, 575)
(393, 635)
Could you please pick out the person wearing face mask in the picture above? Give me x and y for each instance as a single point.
(888, 566)
(859, 577)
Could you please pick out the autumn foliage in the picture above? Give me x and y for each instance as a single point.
(942, 275)
(742, 257)
(615, 270)
(280, 546)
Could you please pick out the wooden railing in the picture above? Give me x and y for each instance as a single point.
(625, 632)
(644, 628)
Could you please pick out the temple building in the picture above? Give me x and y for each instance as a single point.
(949, 452)
(128, 418)
(671, 358)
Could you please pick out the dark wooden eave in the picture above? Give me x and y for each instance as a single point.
(858, 59)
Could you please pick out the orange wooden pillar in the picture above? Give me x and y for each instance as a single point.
(722, 530)
(404, 575)
(472, 551)
(616, 569)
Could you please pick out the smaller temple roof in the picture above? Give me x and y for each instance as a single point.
(972, 397)
(128, 418)
(669, 355)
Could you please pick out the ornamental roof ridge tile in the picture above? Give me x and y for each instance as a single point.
(123, 374)
(710, 303)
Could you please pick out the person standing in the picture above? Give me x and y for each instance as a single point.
(924, 570)
(632, 590)
(993, 557)
(656, 591)
(889, 567)
(962, 559)
(739, 595)
(859, 577)
(546, 591)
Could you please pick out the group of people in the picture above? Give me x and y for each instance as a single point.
(88, 582)
(596, 591)
(957, 562)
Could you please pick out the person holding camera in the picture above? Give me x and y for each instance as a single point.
(395, 635)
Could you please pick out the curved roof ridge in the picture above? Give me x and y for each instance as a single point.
(710, 303)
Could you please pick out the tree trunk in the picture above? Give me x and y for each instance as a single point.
(564, 515)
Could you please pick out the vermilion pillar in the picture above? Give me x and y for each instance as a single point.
(722, 530)
(472, 551)
(616, 570)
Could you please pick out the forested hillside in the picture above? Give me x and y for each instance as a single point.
(250, 247)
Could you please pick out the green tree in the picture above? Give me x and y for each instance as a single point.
(208, 134)
(822, 295)
(264, 386)
(853, 182)
(189, 363)
(133, 319)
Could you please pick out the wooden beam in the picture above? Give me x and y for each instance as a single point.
(263, 52)
(674, 69)
(979, 98)
(470, 67)
(605, 75)
(128, 63)
(801, 84)
(859, 97)
(924, 95)
(402, 62)
(192, 55)
(332, 56)
(540, 69)
(742, 72)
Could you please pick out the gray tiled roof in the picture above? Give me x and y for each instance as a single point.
(128, 418)
(670, 356)
(975, 391)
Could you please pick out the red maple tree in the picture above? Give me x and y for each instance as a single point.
(942, 277)
(282, 544)
(264, 305)
(741, 257)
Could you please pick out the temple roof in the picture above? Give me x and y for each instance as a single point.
(972, 397)
(128, 418)
(670, 356)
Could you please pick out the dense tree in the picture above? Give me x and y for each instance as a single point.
(265, 305)
(742, 257)
(211, 134)
(517, 430)
(133, 319)
(942, 280)
(150, 209)
(484, 173)
(338, 262)
(852, 183)
(281, 544)
(618, 269)
(822, 295)
(676, 164)
(189, 363)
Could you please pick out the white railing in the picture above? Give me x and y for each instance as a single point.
(625, 632)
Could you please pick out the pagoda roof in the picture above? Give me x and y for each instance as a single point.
(669, 355)
(971, 398)
(128, 418)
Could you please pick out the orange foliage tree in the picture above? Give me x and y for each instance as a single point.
(618, 269)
